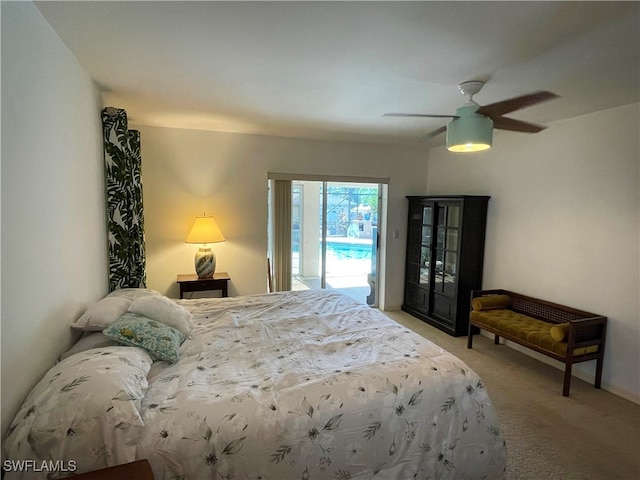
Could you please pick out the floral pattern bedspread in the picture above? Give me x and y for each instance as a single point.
(313, 385)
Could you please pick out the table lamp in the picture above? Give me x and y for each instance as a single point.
(205, 230)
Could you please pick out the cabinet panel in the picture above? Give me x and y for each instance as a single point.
(443, 308)
(413, 273)
(417, 297)
(445, 252)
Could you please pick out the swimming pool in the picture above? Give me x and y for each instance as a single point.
(343, 249)
(348, 250)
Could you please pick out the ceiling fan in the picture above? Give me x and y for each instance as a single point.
(471, 129)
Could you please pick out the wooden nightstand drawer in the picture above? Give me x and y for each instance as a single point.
(191, 283)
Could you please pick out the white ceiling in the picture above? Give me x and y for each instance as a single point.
(330, 70)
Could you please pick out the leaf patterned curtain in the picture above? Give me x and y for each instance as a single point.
(125, 219)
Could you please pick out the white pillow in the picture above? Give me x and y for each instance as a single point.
(102, 314)
(133, 293)
(87, 342)
(84, 407)
(164, 310)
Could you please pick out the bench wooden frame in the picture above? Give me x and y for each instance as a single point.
(585, 329)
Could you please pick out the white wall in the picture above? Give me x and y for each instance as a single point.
(188, 172)
(53, 220)
(564, 223)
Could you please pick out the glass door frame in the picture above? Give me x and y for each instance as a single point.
(273, 251)
(375, 241)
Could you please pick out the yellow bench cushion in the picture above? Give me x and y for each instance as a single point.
(528, 329)
(560, 332)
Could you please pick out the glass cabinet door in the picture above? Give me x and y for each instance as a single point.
(425, 255)
(453, 216)
(425, 263)
(446, 248)
(414, 245)
(415, 239)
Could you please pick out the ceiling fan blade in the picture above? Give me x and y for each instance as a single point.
(437, 132)
(425, 115)
(500, 108)
(504, 123)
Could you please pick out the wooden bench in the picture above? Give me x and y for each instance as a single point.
(559, 332)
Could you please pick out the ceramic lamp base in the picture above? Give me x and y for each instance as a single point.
(205, 262)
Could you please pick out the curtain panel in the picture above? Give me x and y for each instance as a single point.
(125, 218)
(282, 234)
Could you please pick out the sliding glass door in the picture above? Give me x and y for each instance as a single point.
(334, 237)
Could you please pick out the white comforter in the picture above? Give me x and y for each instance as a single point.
(312, 385)
(296, 385)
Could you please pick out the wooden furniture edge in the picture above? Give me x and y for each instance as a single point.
(138, 470)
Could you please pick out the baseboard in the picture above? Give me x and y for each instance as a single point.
(393, 308)
(583, 372)
(621, 393)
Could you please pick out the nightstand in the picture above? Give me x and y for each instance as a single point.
(191, 283)
(139, 470)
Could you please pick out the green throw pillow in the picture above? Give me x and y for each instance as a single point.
(160, 340)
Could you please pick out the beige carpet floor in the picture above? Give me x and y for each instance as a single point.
(590, 435)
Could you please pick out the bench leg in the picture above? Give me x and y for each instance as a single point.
(470, 338)
(496, 340)
(598, 372)
(567, 380)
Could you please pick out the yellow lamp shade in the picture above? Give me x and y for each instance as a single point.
(204, 230)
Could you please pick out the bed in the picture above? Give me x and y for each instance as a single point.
(287, 385)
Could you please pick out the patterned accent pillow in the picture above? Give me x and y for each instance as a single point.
(159, 340)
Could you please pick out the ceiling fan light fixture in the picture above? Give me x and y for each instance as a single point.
(470, 133)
